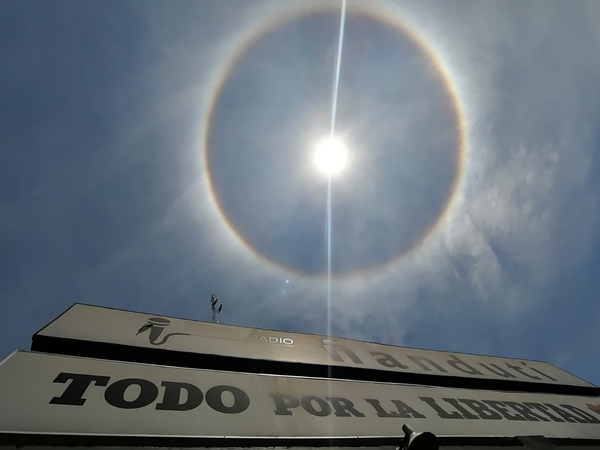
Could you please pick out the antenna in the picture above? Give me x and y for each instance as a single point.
(214, 300)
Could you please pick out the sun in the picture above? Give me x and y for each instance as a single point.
(331, 156)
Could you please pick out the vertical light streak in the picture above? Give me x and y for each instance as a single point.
(336, 76)
(334, 99)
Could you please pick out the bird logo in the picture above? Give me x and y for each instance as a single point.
(156, 325)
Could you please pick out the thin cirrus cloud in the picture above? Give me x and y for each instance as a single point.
(104, 195)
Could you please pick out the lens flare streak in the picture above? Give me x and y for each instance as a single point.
(334, 99)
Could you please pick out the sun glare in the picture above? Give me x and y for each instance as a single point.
(331, 156)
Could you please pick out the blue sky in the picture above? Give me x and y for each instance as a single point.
(103, 188)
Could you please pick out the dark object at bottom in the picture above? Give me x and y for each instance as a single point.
(418, 441)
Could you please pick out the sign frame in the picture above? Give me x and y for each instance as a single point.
(338, 358)
(70, 397)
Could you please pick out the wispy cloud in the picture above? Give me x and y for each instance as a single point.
(111, 205)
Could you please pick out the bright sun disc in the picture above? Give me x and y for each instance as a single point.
(331, 156)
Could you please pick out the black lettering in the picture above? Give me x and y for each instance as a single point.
(526, 412)
(498, 370)
(73, 394)
(466, 414)
(171, 399)
(439, 410)
(115, 393)
(388, 361)
(406, 411)
(543, 409)
(214, 398)
(498, 406)
(379, 409)
(567, 416)
(334, 349)
(541, 373)
(344, 407)
(283, 404)
(309, 408)
(459, 364)
(575, 410)
(481, 409)
(418, 359)
(521, 371)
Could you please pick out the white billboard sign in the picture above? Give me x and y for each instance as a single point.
(96, 324)
(50, 394)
